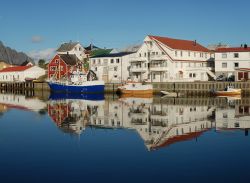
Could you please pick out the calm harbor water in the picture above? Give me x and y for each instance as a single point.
(109, 139)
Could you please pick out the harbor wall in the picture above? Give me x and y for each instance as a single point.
(186, 88)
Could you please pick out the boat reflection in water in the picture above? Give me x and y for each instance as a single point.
(159, 123)
(72, 112)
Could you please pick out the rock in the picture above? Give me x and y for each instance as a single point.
(13, 57)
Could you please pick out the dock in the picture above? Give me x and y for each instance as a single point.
(181, 88)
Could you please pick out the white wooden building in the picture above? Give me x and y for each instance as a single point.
(20, 73)
(113, 67)
(72, 48)
(162, 59)
(233, 61)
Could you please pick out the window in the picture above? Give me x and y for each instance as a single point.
(56, 61)
(117, 60)
(194, 54)
(53, 68)
(224, 55)
(112, 61)
(96, 69)
(80, 49)
(176, 53)
(224, 65)
(236, 64)
(153, 76)
(163, 53)
(190, 75)
(139, 54)
(93, 61)
(181, 53)
(115, 68)
(145, 54)
(189, 53)
(236, 55)
(99, 61)
(194, 75)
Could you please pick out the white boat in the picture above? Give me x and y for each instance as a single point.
(169, 94)
(136, 88)
(228, 91)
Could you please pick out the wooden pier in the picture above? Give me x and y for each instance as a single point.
(181, 88)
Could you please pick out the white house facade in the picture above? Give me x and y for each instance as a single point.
(228, 61)
(162, 59)
(72, 48)
(113, 67)
(20, 73)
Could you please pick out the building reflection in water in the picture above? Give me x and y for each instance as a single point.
(159, 123)
(21, 102)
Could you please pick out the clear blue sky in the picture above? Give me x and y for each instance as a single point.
(117, 23)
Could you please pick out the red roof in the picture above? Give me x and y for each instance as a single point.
(15, 69)
(233, 49)
(178, 138)
(179, 44)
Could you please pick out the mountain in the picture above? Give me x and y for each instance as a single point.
(13, 57)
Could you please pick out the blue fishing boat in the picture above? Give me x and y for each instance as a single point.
(78, 83)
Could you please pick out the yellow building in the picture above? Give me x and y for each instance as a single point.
(3, 65)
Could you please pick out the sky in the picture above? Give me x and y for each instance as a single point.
(39, 27)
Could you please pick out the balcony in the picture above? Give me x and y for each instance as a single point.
(158, 57)
(138, 69)
(138, 59)
(158, 67)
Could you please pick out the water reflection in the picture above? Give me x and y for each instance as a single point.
(21, 102)
(159, 122)
(72, 113)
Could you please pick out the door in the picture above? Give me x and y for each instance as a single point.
(246, 75)
(240, 75)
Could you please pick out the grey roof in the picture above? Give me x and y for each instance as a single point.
(69, 59)
(121, 54)
(91, 47)
(67, 46)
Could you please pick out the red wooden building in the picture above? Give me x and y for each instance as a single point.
(62, 65)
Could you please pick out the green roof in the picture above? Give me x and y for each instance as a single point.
(98, 52)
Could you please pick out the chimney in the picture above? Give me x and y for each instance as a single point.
(245, 46)
(195, 42)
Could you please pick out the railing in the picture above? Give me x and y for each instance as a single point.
(138, 59)
(138, 69)
(158, 57)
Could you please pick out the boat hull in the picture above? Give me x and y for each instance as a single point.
(88, 88)
(228, 93)
(136, 92)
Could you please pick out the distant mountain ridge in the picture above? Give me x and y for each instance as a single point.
(11, 56)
